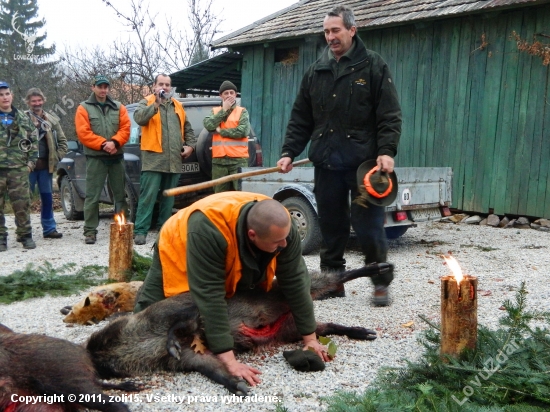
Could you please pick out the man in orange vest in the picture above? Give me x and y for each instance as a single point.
(166, 138)
(230, 126)
(224, 242)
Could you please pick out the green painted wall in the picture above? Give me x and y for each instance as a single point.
(483, 111)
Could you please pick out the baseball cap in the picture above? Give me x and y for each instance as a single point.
(4, 85)
(100, 79)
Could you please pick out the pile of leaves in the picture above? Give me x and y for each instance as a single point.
(508, 371)
(35, 282)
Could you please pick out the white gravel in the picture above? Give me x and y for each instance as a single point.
(500, 258)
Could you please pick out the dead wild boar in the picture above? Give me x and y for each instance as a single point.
(161, 337)
(37, 365)
(102, 302)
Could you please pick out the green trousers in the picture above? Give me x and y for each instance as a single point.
(15, 183)
(151, 186)
(225, 169)
(97, 169)
(152, 289)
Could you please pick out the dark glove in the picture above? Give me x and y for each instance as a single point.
(304, 360)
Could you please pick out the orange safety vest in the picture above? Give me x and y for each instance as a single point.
(151, 134)
(223, 210)
(226, 146)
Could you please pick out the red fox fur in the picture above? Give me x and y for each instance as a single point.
(102, 302)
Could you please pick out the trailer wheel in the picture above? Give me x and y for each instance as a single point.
(395, 231)
(306, 219)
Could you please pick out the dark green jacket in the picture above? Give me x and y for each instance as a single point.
(97, 124)
(15, 137)
(350, 114)
(206, 273)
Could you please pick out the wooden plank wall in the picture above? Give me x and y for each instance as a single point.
(483, 109)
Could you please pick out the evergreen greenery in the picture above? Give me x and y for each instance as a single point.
(508, 371)
(46, 280)
(37, 282)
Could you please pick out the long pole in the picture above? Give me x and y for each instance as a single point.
(191, 188)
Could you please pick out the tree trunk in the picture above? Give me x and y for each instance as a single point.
(458, 315)
(120, 251)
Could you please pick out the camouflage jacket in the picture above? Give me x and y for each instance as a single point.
(18, 146)
(55, 138)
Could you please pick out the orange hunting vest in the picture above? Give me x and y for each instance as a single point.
(223, 210)
(226, 146)
(151, 134)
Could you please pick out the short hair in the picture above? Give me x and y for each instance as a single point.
(163, 75)
(34, 91)
(264, 214)
(345, 13)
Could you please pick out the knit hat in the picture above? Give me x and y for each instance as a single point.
(227, 85)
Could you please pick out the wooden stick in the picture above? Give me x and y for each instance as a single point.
(191, 188)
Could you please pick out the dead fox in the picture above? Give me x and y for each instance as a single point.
(102, 302)
(161, 337)
(37, 365)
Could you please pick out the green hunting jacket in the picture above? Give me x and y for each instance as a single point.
(169, 160)
(18, 146)
(206, 273)
(349, 111)
(55, 138)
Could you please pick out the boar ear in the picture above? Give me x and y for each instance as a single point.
(87, 301)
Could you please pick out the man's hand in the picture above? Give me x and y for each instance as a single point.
(310, 341)
(186, 152)
(158, 98)
(228, 103)
(238, 369)
(285, 163)
(385, 163)
(110, 148)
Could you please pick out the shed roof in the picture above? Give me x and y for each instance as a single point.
(306, 16)
(206, 77)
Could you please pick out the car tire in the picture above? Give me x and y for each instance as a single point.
(307, 222)
(395, 231)
(67, 200)
(131, 201)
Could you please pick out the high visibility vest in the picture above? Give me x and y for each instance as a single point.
(223, 210)
(151, 133)
(227, 146)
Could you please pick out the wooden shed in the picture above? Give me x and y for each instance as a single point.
(473, 78)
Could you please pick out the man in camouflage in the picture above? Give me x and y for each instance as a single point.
(52, 146)
(18, 154)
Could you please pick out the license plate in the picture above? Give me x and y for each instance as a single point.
(425, 214)
(192, 167)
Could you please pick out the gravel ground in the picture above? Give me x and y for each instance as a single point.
(500, 258)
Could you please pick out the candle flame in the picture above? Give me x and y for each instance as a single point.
(120, 219)
(455, 268)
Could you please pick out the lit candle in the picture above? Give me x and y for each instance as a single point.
(121, 248)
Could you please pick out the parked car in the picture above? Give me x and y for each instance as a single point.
(197, 168)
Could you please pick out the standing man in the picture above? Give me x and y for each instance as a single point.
(52, 146)
(18, 155)
(166, 138)
(103, 127)
(347, 106)
(224, 242)
(231, 127)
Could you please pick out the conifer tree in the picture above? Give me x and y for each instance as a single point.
(25, 60)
